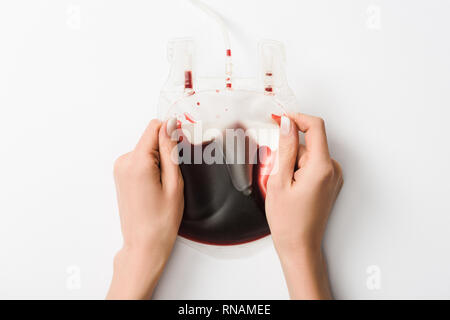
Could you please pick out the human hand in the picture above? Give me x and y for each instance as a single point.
(300, 196)
(150, 197)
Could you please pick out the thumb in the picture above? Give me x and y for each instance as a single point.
(171, 178)
(287, 152)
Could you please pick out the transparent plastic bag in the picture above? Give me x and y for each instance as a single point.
(227, 141)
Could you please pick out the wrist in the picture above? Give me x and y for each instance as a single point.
(301, 254)
(305, 271)
(293, 249)
(136, 273)
(129, 258)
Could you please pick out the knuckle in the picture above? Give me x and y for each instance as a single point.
(329, 171)
(337, 168)
(131, 165)
(121, 163)
(154, 124)
(320, 122)
(326, 171)
(338, 172)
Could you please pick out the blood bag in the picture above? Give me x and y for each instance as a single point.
(227, 136)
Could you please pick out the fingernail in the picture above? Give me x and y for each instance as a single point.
(285, 126)
(171, 126)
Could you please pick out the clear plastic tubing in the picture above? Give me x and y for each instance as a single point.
(226, 37)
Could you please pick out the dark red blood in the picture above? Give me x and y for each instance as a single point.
(198, 103)
(269, 89)
(228, 52)
(229, 85)
(215, 212)
(269, 74)
(188, 79)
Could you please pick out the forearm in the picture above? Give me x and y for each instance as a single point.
(306, 274)
(136, 274)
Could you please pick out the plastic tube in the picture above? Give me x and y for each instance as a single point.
(226, 38)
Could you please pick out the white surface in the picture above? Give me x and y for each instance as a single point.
(76, 90)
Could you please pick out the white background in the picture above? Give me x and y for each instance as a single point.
(79, 81)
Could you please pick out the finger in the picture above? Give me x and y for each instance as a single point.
(315, 135)
(148, 143)
(170, 171)
(287, 151)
